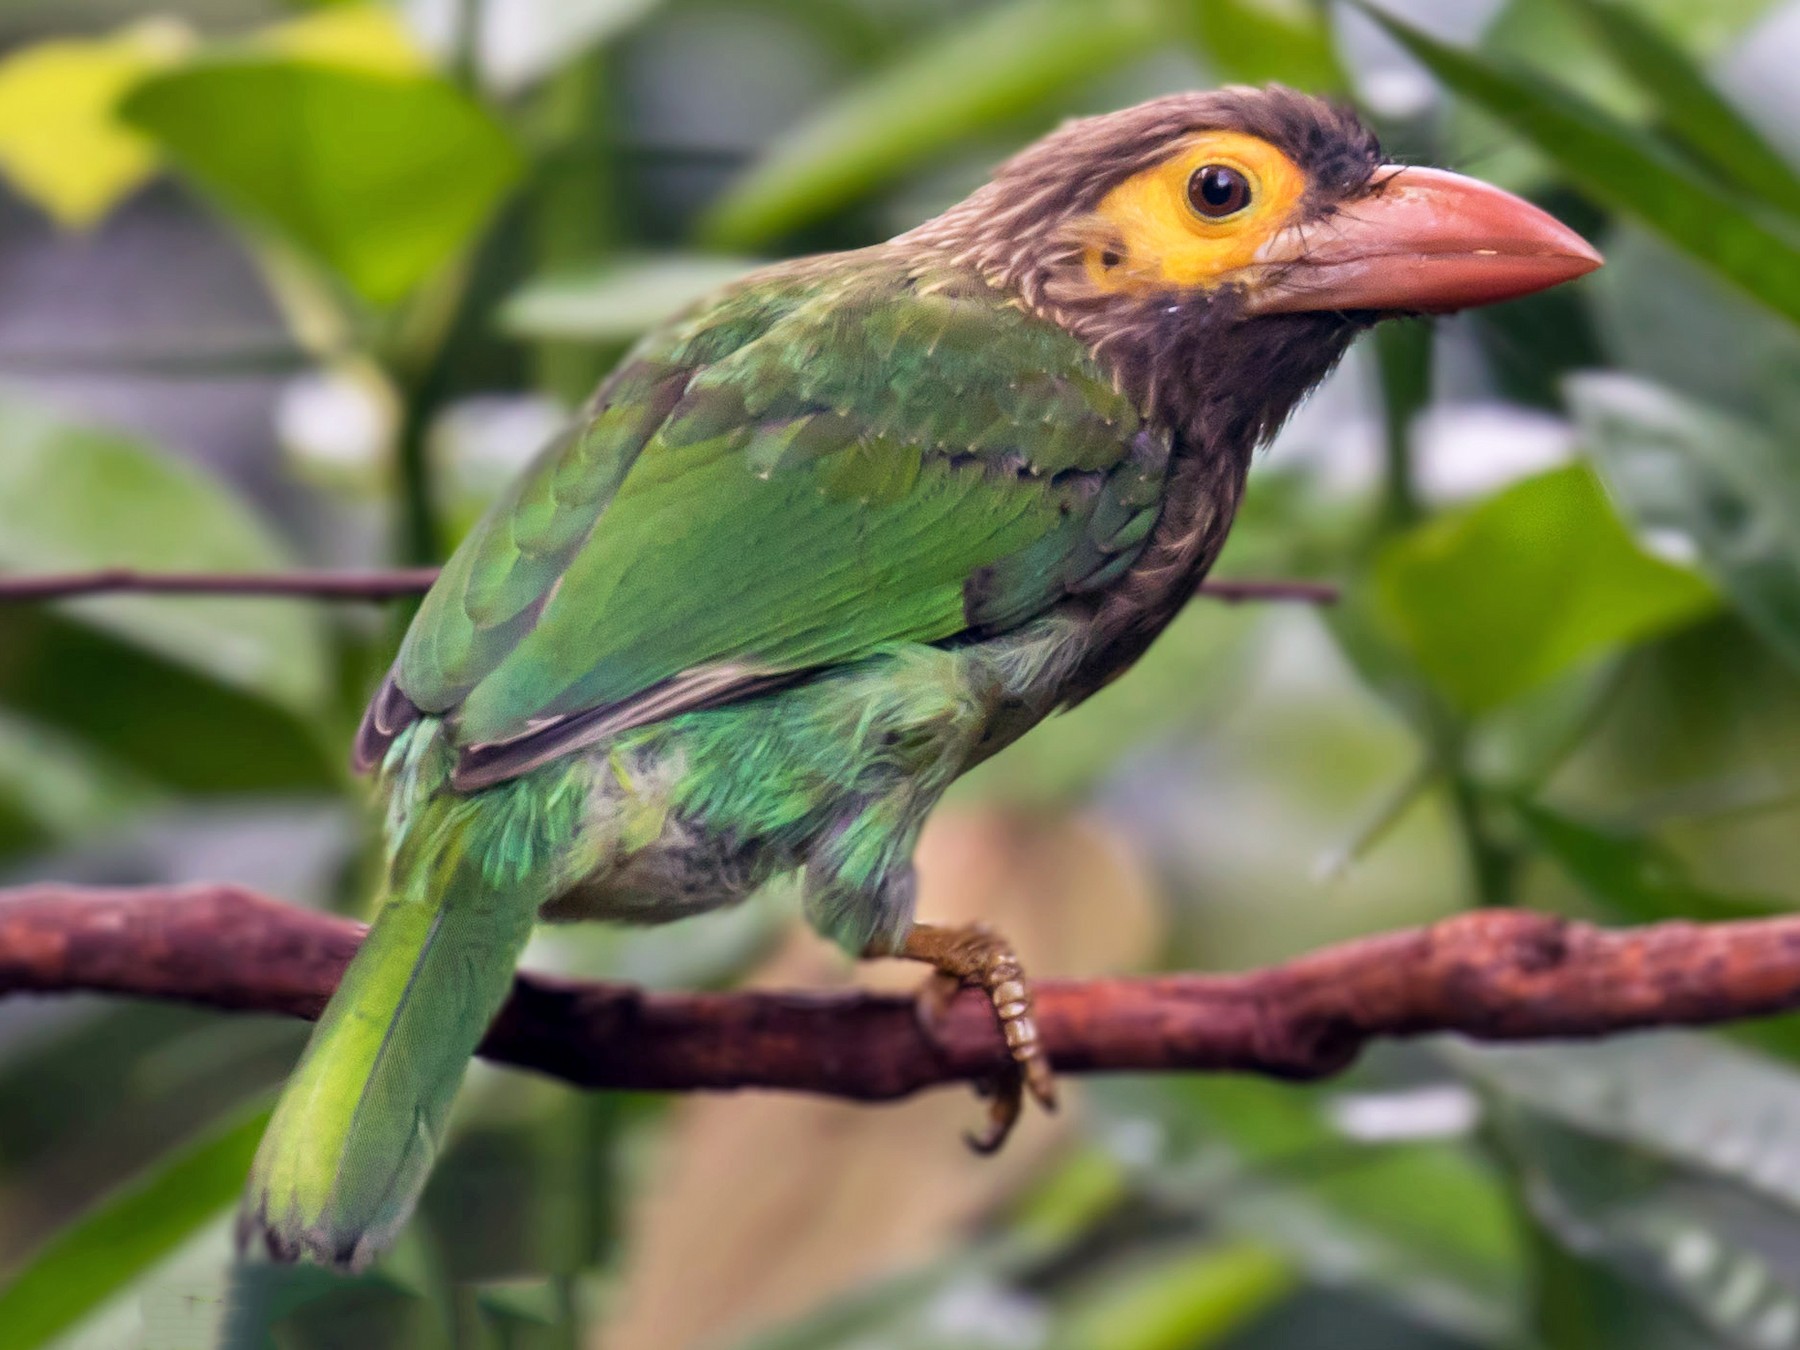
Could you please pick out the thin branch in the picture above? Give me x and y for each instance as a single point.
(1302, 592)
(369, 585)
(391, 585)
(1499, 975)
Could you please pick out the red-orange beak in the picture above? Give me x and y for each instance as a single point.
(1418, 240)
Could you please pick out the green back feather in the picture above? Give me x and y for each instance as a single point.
(830, 459)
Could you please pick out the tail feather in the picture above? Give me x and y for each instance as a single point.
(353, 1137)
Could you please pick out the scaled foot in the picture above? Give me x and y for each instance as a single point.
(976, 955)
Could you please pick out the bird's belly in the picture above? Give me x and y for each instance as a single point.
(643, 858)
(696, 813)
(663, 882)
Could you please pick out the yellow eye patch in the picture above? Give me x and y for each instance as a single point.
(1148, 236)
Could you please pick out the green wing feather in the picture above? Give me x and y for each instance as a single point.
(830, 459)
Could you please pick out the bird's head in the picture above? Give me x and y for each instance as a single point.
(1243, 235)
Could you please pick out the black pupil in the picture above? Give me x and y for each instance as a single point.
(1218, 191)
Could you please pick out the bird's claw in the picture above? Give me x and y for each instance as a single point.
(1006, 1100)
(976, 955)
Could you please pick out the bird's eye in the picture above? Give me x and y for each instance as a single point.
(1218, 190)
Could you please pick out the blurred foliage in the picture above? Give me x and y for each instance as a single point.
(1564, 673)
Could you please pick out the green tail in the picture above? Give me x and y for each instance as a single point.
(354, 1134)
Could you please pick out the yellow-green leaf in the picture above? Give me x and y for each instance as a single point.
(350, 37)
(61, 142)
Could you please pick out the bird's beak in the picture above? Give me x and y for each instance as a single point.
(1420, 240)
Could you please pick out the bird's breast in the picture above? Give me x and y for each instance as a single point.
(1204, 490)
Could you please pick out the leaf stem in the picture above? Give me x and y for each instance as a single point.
(1492, 866)
(1403, 359)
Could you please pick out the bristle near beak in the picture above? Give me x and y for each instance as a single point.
(1419, 240)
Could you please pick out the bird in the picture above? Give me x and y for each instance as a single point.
(822, 543)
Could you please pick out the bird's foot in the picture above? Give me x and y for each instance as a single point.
(976, 955)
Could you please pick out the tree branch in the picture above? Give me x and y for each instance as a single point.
(390, 585)
(1500, 975)
(370, 585)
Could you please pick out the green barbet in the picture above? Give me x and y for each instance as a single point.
(820, 545)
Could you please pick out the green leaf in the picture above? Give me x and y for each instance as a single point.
(1718, 1110)
(102, 1253)
(1720, 483)
(1419, 1223)
(1663, 316)
(1632, 875)
(1620, 1227)
(1669, 1156)
(172, 725)
(961, 82)
(383, 178)
(1259, 41)
(1182, 1301)
(75, 497)
(54, 788)
(615, 300)
(1625, 169)
(1496, 600)
(1690, 108)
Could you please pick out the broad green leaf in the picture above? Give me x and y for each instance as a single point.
(1258, 41)
(74, 497)
(384, 178)
(979, 72)
(103, 1252)
(1632, 875)
(1419, 1223)
(1638, 1244)
(1718, 482)
(1186, 1300)
(1496, 600)
(61, 142)
(169, 721)
(616, 300)
(1700, 1101)
(63, 788)
(1623, 168)
(1672, 1157)
(1690, 107)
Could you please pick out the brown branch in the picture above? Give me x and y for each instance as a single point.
(1493, 975)
(371, 585)
(390, 585)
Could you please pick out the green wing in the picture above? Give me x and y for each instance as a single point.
(831, 459)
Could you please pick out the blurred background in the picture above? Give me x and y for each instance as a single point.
(290, 284)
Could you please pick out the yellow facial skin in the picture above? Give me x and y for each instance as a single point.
(1148, 239)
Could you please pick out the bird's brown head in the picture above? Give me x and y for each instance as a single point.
(1219, 249)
